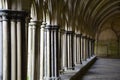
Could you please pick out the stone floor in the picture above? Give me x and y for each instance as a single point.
(104, 69)
(67, 75)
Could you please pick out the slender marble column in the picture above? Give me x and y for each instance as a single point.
(37, 50)
(13, 48)
(84, 43)
(21, 47)
(93, 43)
(60, 36)
(64, 52)
(88, 42)
(90, 47)
(31, 50)
(1, 53)
(51, 70)
(42, 50)
(19, 51)
(78, 49)
(82, 48)
(75, 49)
(86, 48)
(6, 47)
(70, 63)
(13, 26)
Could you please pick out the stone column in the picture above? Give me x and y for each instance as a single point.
(93, 43)
(60, 49)
(90, 47)
(70, 60)
(51, 70)
(64, 51)
(88, 42)
(79, 49)
(75, 49)
(13, 47)
(84, 48)
(42, 49)
(6, 45)
(31, 50)
(21, 47)
(1, 53)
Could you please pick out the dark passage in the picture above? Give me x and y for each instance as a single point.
(104, 69)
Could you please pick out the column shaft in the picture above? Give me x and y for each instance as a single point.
(29, 52)
(88, 47)
(19, 53)
(13, 50)
(31, 45)
(1, 48)
(86, 43)
(93, 43)
(21, 47)
(6, 48)
(79, 61)
(78, 50)
(82, 48)
(42, 50)
(91, 47)
(64, 52)
(75, 49)
(70, 57)
(51, 55)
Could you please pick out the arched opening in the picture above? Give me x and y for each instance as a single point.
(107, 44)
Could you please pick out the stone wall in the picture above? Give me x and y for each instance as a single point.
(107, 44)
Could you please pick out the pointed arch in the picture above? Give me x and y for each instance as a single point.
(33, 12)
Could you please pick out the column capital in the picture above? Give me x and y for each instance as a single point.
(69, 32)
(84, 36)
(4, 12)
(78, 35)
(88, 38)
(92, 39)
(52, 27)
(34, 22)
(21, 15)
(62, 30)
(13, 13)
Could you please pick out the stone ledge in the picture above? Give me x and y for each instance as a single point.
(79, 70)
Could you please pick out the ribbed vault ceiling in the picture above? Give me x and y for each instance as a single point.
(85, 16)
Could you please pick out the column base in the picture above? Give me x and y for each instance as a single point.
(64, 69)
(51, 78)
(70, 68)
(79, 63)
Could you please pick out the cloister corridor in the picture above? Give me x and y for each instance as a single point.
(59, 39)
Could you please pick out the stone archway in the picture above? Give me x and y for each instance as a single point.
(107, 43)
